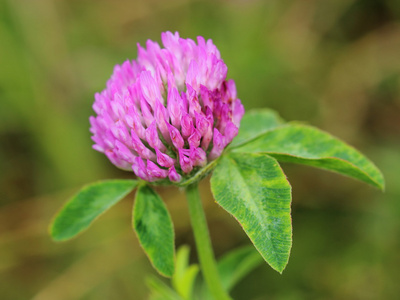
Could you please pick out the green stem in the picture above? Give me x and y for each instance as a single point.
(203, 243)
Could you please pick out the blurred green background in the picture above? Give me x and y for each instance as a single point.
(332, 63)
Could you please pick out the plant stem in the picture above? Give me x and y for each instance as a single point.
(203, 243)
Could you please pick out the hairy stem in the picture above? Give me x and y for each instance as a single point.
(203, 243)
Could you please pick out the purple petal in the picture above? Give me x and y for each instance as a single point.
(95, 128)
(187, 125)
(192, 75)
(133, 121)
(164, 160)
(140, 148)
(147, 115)
(237, 112)
(217, 74)
(108, 139)
(161, 117)
(202, 124)
(121, 133)
(118, 109)
(184, 103)
(209, 115)
(152, 137)
(139, 168)
(206, 140)
(98, 148)
(124, 152)
(206, 97)
(171, 41)
(174, 107)
(176, 137)
(155, 171)
(198, 157)
(194, 139)
(159, 77)
(231, 89)
(218, 145)
(173, 175)
(194, 105)
(230, 132)
(225, 118)
(184, 160)
(116, 160)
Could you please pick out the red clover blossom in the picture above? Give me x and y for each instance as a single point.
(169, 112)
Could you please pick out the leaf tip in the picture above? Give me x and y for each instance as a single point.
(52, 230)
(378, 181)
(279, 268)
(381, 183)
(57, 236)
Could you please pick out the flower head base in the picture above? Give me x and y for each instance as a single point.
(168, 113)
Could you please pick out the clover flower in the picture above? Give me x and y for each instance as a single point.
(168, 113)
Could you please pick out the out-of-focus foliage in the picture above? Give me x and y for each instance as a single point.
(332, 63)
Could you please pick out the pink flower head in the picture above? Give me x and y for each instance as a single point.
(168, 113)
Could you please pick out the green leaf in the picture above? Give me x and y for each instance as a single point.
(255, 123)
(234, 266)
(185, 274)
(161, 291)
(153, 226)
(310, 146)
(82, 209)
(253, 188)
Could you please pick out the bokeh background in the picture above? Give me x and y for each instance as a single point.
(332, 63)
